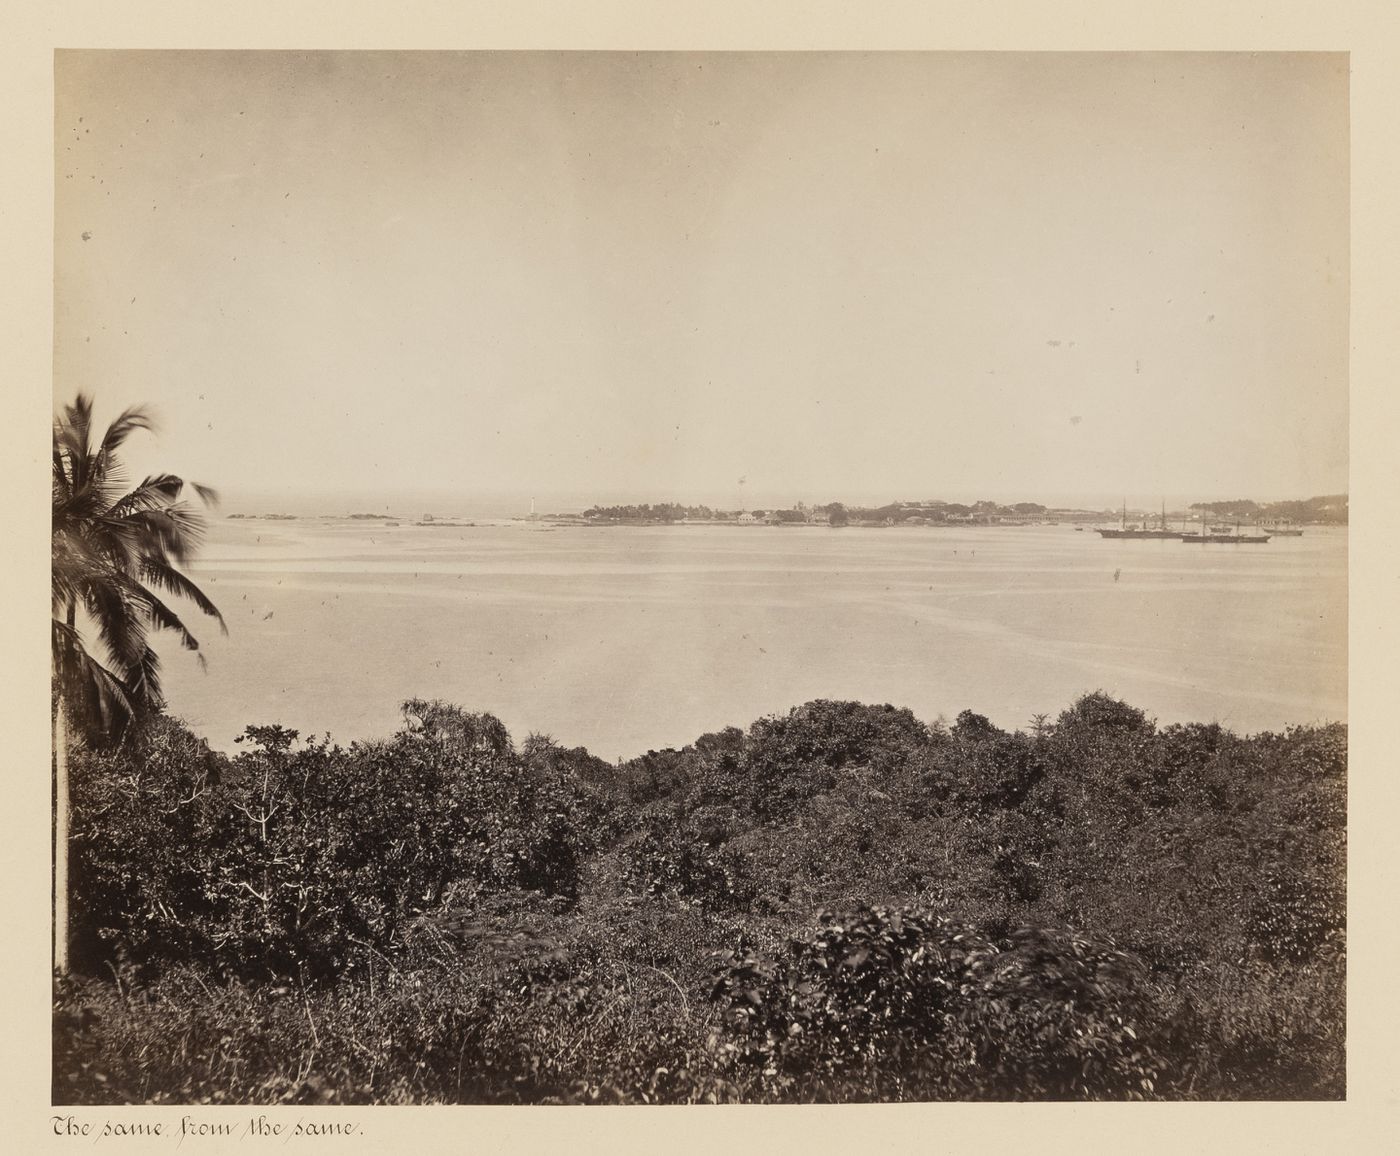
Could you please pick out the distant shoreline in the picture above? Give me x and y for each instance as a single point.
(556, 521)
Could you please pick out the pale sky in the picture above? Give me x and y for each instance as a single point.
(608, 276)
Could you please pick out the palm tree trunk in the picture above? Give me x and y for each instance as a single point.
(60, 838)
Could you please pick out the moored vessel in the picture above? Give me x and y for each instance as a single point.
(1139, 532)
(1235, 538)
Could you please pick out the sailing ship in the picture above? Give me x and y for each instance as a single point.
(1140, 532)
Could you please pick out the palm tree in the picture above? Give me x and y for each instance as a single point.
(114, 555)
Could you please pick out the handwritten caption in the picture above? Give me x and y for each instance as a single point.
(192, 1127)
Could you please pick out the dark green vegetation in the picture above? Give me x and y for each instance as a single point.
(1328, 510)
(841, 903)
(117, 557)
(647, 512)
(1331, 509)
(834, 513)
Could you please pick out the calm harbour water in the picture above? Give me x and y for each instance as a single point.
(628, 638)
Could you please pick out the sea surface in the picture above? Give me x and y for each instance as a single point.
(629, 638)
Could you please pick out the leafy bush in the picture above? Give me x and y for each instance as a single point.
(791, 758)
(916, 1007)
(291, 862)
(666, 859)
(535, 925)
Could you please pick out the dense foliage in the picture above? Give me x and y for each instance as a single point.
(117, 563)
(646, 512)
(1329, 509)
(834, 513)
(841, 903)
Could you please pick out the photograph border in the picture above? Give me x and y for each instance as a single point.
(1365, 30)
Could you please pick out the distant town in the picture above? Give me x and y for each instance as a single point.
(1327, 510)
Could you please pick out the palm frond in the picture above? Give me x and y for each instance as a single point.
(207, 494)
(130, 420)
(153, 493)
(143, 687)
(122, 541)
(162, 617)
(111, 607)
(75, 564)
(62, 484)
(96, 694)
(113, 554)
(73, 437)
(175, 531)
(159, 573)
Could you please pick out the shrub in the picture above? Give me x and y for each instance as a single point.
(666, 859)
(909, 1006)
(535, 925)
(292, 862)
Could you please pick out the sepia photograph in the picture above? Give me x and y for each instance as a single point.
(699, 577)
